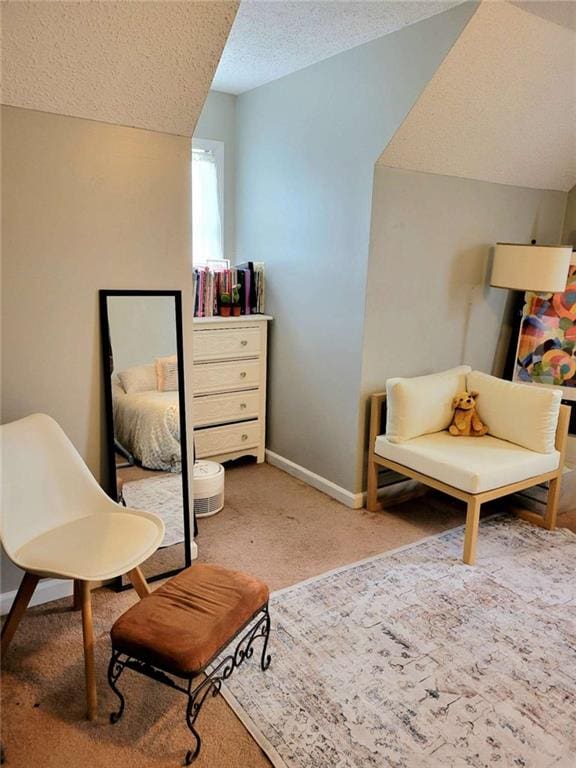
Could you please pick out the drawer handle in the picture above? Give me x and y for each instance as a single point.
(242, 406)
(244, 436)
(242, 374)
(244, 342)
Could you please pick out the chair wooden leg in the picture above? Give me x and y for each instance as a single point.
(77, 600)
(471, 533)
(139, 582)
(25, 592)
(88, 634)
(372, 503)
(551, 511)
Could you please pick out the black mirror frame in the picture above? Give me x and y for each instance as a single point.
(107, 369)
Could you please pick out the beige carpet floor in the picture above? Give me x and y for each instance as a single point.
(272, 526)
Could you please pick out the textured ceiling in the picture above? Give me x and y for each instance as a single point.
(501, 107)
(559, 11)
(272, 38)
(142, 64)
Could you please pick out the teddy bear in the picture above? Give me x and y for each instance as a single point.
(466, 422)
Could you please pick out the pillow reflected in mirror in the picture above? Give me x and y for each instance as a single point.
(139, 378)
(167, 373)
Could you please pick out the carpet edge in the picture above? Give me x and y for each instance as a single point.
(404, 547)
(261, 740)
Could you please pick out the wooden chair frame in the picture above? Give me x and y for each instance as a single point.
(473, 501)
(83, 602)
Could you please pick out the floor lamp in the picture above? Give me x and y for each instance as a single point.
(538, 268)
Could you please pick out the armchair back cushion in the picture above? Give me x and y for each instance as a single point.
(423, 404)
(523, 414)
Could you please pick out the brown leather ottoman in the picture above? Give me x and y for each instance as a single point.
(181, 628)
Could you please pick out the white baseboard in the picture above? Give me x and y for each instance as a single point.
(46, 591)
(352, 500)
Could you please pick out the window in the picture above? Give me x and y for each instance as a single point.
(207, 200)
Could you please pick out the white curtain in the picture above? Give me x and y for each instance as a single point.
(206, 222)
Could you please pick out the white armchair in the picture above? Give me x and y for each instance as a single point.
(525, 446)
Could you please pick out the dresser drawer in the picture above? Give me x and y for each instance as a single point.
(235, 437)
(223, 377)
(226, 343)
(217, 409)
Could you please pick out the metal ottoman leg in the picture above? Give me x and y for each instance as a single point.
(115, 669)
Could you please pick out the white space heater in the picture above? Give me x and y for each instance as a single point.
(208, 479)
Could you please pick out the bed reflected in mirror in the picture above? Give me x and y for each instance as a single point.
(146, 440)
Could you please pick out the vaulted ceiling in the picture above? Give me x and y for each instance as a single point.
(142, 64)
(502, 105)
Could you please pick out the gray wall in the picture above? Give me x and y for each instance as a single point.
(142, 328)
(85, 206)
(428, 304)
(218, 122)
(569, 230)
(306, 148)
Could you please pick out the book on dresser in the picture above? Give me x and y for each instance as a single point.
(211, 282)
(229, 384)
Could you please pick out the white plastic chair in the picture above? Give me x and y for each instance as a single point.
(57, 522)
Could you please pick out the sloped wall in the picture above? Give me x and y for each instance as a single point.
(306, 149)
(484, 156)
(89, 205)
(502, 107)
(142, 64)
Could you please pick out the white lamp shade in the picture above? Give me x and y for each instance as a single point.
(542, 268)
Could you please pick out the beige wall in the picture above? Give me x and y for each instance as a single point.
(428, 301)
(85, 206)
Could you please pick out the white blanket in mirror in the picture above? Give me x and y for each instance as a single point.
(148, 425)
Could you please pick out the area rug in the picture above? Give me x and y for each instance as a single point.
(162, 495)
(414, 660)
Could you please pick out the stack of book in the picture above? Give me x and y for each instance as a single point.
(250, 278)
(210, 283)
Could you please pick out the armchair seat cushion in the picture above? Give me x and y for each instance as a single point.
(471, 464)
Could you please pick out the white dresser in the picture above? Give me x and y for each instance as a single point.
(229, 408)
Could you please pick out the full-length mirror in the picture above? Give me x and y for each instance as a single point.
(146, 425)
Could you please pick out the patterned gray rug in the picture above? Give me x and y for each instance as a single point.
(414, 660)
(162, 495)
